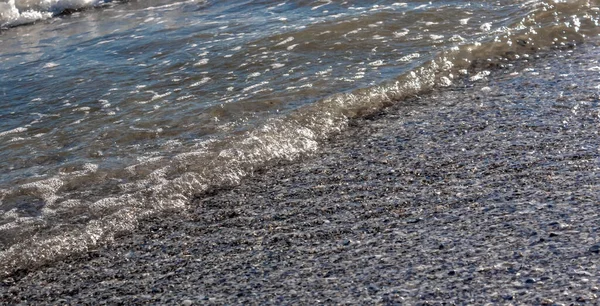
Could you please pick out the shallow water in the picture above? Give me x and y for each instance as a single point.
(126, 109)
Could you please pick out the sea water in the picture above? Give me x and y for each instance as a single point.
(111, 111)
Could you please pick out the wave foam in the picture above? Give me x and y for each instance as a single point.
(18, 12)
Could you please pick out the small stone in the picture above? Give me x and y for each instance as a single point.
(187, 302)
(521, 42)
(595, 248)
(373, 288)
(508, 297)
(547, 302)
(530, 281)
(452, 273)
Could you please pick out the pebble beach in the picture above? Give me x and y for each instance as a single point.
(482, 192)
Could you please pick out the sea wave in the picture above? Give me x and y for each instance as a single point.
(22, 12)
(19, 12)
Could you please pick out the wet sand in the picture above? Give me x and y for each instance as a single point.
(486, 192)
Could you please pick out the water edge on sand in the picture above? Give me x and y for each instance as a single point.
(483, 192)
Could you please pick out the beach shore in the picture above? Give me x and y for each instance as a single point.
(484, 192)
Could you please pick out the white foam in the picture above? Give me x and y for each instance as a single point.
(486, 26)
(50, 65)
(184, 97)
(10, 15)
(445, 82)
(17, 12)
(398, 34)
(479, 76)
(408, 58)
(160, 96)
(254, 86)
(105, 42)
(16, 130)
(321, 5)
(204, 80)
(45, 189)
(285, 41)
(254, 75)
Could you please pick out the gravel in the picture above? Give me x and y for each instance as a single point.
(485, 192)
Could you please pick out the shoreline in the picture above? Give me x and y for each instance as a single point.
(485, 192)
